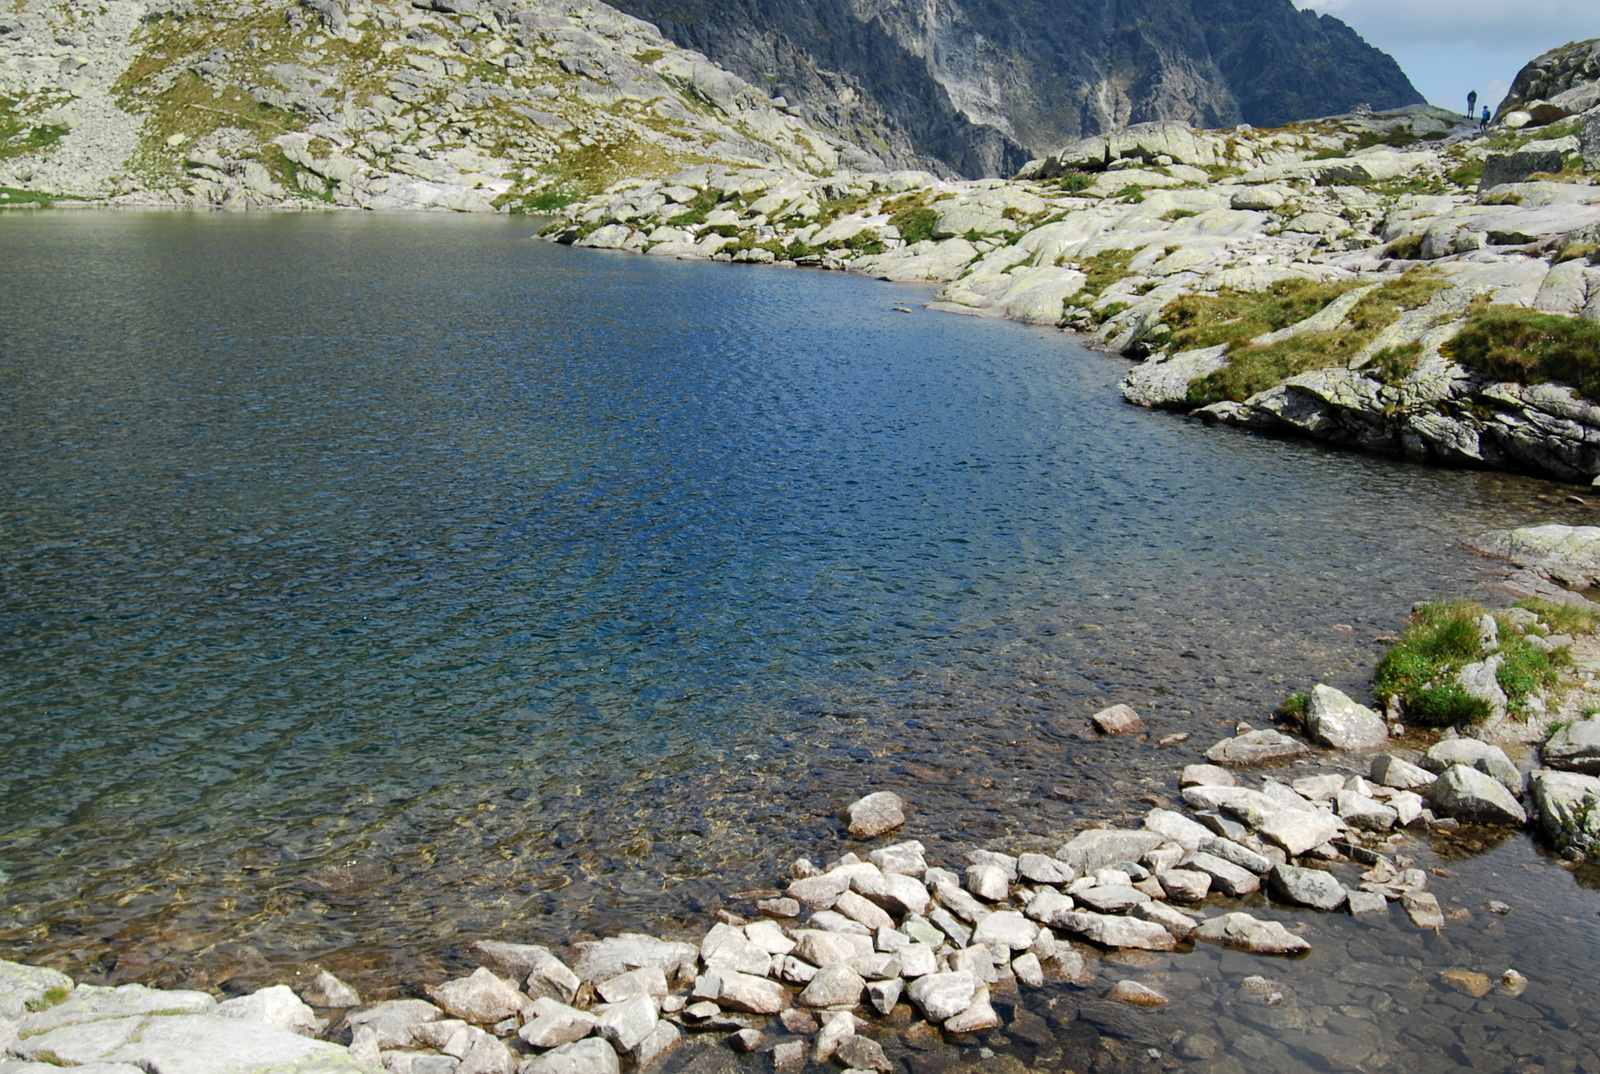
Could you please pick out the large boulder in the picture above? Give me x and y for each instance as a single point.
(1567, 805)
(1575, 748)
(1307, 887)
(1336, 721)
(1489, 759)
(1501, 168)
(1469, 795)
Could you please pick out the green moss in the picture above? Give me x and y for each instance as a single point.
(1178, 214)
(51, 998)
(11, 197)
(1394, 364)
(1105, 269)
(1130, 194)
(1527, 669)
(1510, 343)
(1294, 708)
(1467, 175)
(696, 211)
(1419, 671)
(1073, 182)
(1405, 248)
(915, 223)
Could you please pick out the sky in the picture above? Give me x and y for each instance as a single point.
(1448, 47)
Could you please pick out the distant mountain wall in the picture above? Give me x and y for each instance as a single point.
(976, 87)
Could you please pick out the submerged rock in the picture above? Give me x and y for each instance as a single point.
(875, 814)
(1256, 747)
(1247, 933)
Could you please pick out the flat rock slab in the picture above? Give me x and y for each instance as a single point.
(191, 1044)
(592, 1056)
(1575, 748)
(22, 986)
(1247, 933)
(601, 960)
(1256, 747)
(91, 1004)
(1108, 931)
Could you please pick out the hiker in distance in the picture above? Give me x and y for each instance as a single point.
(1483, 120)
(1472, 104)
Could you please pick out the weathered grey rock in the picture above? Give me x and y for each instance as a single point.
(757, 995)
(625, 1025)
(1488, 759)
(513, 961)
(860, 1053)
(986, 881)
(1028, 970)
(1574, 748)
(918, 960)
(1501, 168)
(1567, 805)
(942, 996)
(769, 936)
(883, 995)
(186, 1044)
(393, 1020)
(557, 1024)
(23, 986)
(662, 1039)
(649, 981)
(1469, 795)
(600, 960)
(1096, 848)
(1359, 811)
(979, 1017)
(1111, 898)
(1185, 885)
(1256, 747)
(1044, 869)
(1237, 854)
(482, 998)
(326, 990)
(1336, 721)
(1207, 775)
(898, 894)
(1226, 877)
(789, 1055)
(1006, 863)
(1174, 921)
(1297, 831)
(875, 814)
(1423, 909)
(1365, 902)
(1320, 787)
(834, 1032)
(1246, 933)
(276, 1006)
(835, 985)
(1590, 142)
(960, 903)
(947, 923)
(1110, 931)
(591, 1056)
(1117, 720)
(88, 1003)
(1307, 887)
(863, 911)
(1177, 828)
(1392, 771)
(1047, 907)
(905, 859)
(820, 947)
(486, 1055)
(1006, 927)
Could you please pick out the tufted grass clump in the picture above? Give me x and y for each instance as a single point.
(1419, 670)
(1206, 320)
(1561, 618)
(1510, 343)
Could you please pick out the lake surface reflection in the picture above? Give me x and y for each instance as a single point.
(372, 585)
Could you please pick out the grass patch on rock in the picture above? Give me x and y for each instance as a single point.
(1419, 671)
(1253, 368)
(1510, 343)
(1206, 320)
(915, 223)
(1561, 618)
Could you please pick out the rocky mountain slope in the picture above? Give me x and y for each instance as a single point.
(1395, 281)
(467, 104)
(975, 87)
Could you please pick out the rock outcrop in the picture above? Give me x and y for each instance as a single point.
(975, 89)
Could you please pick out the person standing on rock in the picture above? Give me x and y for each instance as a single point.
(1483, 121)
(1472, 104)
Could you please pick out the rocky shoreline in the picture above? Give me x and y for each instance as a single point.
(1315, 280)
(873, 960)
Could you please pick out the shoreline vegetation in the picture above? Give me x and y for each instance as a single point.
(881, 954)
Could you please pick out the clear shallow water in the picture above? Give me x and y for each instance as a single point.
(370, 585)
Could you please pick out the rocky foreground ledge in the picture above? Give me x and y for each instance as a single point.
(880, 951)
(1398, 282)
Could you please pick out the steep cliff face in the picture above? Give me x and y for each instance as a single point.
(977, 86)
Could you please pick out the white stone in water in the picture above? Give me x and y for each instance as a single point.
(1174, 921)
(1240, 930)
(625, 1025)
(1359, 811)
(1007, 927)
(513, 961)
(649, 981)
(878, 966)
(891, 941)
(957, 933)
(868, 914)
(835, 985)
(820, 947)
(553, 979)
(1047, 907)
(979, 961)
(1400, 774)
(1164, 857)
(1207, 775)
(840, 1026)
(1319, 787)
(1297, 831)
(883, 995)
(1335, 721)
(875, 814)
(769, 936)
(789, 1055)
(1470, 795)
(796, 971)
(1423, 910)
(600, 960)
(662, 1039)
(986, 881)
(1117, 720)
(757, 995)
(393, 1020)
(1044, 869)
(452, 1036)
(941, 996)
(1176, 828)
(1307, 887)
(487, 1055)
(1366, 902)
(1185, 885)
(922, 931)
(557, 1024)
(1109, 931)
(481, 998)
(1226, 877)
(1488, 759)
(897, 893)
(326, 990)
(1088, 851)
(1029, 971)
(1005, 862)
(905, 859)
(1112, 898)
(1237, 854)
(979, 1016)
(591, 1056)
(276, 1006)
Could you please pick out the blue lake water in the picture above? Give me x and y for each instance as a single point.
(372, 584)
